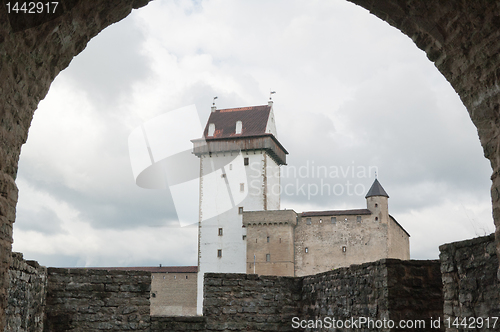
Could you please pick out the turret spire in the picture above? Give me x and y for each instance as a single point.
(376, 190)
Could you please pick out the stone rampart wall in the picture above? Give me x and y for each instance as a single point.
(388, 289)
(247, 302)
(97, 300)
(27, 290)
(470, 286)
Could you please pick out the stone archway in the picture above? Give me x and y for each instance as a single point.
(460, 37)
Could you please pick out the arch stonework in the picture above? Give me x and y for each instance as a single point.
(461, 37)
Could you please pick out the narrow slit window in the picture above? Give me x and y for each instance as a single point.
(219, 253)
(268, 257)
(240, 210)
(245, 161)
(220, 231)
(358, 218)
(344, 248)
(307, 250)
(242, 187)
(268, 239)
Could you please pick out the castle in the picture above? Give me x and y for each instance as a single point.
(241, 226)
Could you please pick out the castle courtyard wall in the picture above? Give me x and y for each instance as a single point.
(27, 294)
(324, 245)
(173, 294)
(270, 233)
(97, 300)
(471, 288)
(398, 242)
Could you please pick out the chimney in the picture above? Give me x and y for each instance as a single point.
(270, 103)
(214, 108)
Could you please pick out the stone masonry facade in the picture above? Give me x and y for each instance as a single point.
(97, 300)
(470, 284)
(27, 294)
(462, 39)
(462, 284)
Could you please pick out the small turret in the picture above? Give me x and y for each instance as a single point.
(377, 202)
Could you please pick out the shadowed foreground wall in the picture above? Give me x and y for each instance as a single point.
(97, 300)
(470, 284)
(389, 288)
(27, 293)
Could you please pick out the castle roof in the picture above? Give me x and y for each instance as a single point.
(376, 190)
(336, 213)
(156, 269)
(254, 120)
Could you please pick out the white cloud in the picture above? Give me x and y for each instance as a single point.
(351, 91)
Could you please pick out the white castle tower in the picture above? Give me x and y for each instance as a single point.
(240, 158)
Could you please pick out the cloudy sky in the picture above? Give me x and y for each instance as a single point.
(352, 93)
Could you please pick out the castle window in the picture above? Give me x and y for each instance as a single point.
(358, 218)
(268, 239)
(240, 210)
(308, 221)
(244, 237)
(242, 187)
(219, 254)
(153, 294)
(245, 161)
(320, 221)
(376, 218)
(376, 205)
(334, 220)
(344, 248)
(220, 231)
(239, 127)
(280, 240)
(307, 250)
(211, 129)
(186, 277)
(268, 257)
(223, 175)
(175, 277)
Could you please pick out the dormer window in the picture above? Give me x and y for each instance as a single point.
(239, 127)
(211, 129)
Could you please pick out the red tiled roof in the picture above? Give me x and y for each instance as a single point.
(336, 213)
(254, 121)
(157, 269)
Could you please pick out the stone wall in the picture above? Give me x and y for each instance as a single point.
(470, 284)
(270, 233)
(97, 300)
(173, 293)
(27, 290)
(247, 302)
(388, 289)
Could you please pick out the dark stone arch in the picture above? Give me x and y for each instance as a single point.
(461, 37)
